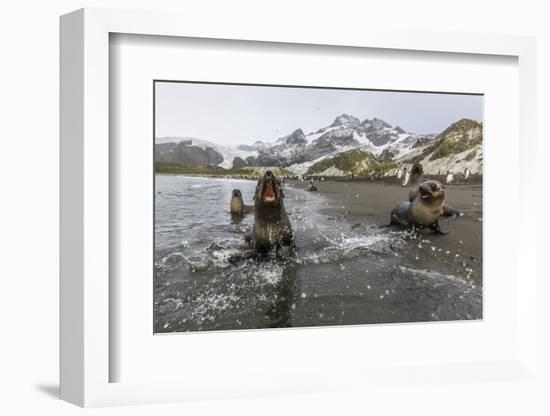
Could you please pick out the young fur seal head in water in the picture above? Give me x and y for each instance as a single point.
(236, 205)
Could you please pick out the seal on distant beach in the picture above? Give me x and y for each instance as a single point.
(271, 224)
(311, 187)
(424, 208)
(417, 173)
(237, 206)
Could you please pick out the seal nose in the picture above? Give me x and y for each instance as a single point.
(268, 173)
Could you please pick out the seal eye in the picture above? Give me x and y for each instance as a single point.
(433, 186)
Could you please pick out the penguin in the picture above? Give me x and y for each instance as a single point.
(406, 177)
(399, 173)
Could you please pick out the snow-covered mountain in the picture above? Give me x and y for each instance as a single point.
(190, 151)
(384, 146)
(458, 147)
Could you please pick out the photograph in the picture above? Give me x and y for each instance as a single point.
(279, 206)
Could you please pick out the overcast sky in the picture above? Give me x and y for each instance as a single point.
(235, 114)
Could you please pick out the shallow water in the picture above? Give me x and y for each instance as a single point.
(206, 277)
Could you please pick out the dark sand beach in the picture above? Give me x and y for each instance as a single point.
(360, 202)
(344, 270)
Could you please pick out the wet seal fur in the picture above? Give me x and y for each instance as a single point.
(424, 208)
(272, 227)
(417, 176)
(237, 206)
(417, 173)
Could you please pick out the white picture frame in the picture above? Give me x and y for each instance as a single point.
(85, 210)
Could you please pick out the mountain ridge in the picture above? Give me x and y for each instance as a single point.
(457, 147)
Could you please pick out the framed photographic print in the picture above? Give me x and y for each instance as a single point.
(269, 214)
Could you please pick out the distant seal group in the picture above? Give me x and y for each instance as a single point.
(272, 228)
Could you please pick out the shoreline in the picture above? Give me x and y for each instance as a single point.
(369, 204)
(388, 180)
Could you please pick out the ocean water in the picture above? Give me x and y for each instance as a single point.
(207, 278)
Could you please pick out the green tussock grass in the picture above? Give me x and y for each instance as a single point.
(456, 139)
(355, 161)
(471, 155)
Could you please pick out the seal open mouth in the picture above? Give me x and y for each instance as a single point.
(430, 189)
(425, 193)
(269, 192)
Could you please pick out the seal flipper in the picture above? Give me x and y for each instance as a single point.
(399, 215)
(450, 212)
(437, 229)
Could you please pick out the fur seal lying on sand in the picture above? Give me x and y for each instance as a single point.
(424, 208)
(237, 206)
(271, 225)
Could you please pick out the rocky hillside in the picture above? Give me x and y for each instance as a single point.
(351, 162)
(192, 152)
(346, 146)
(186, 154)
(459, 147)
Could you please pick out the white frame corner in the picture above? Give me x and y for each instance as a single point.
(84, 180)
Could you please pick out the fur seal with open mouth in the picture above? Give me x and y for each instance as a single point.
(271, 224)
(424, 208)
(237, 206)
